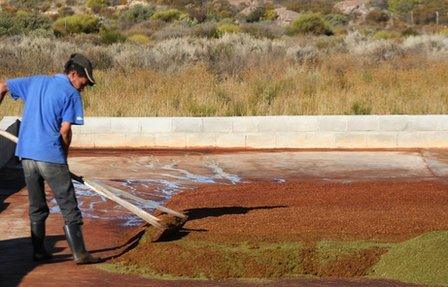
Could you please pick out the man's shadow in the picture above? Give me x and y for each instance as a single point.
(16, 253)
(16, 258)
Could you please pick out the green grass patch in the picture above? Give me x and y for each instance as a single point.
(330, 250)
(421, 260)
(141, 271)
(252, 260)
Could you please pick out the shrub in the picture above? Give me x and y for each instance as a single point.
(206, 29)
(227, 28)
(83, 23)
(402, 6)
(256, 14)
(198, 14)
(135, 14)
(96, 4)
(302, 55)
(410, 31)
(425, 13)
(316, 6)
(336, 19)
(167, 15)
(141, 39)
(386, 35)
(111, 36)
(427, 44)
(219, 9)
(378, 4)
(66, 11)
(263, 30)
(22, 23)
(443, 32)
(270, 14)
(377, 16)
(29, 4)
(172, 31)
(309, 23)
(148, 27)
(334, 44)
(359, 108)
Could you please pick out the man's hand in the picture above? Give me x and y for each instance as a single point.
(66, 136)
(3, 91)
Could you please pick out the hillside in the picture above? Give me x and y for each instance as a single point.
(144, 21)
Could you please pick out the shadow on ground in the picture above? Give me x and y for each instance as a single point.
(200, 213)
(16, 258)
(11, 181)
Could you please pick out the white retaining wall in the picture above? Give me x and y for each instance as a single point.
(398, 131)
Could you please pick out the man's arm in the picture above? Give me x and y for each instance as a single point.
(66, 135)
(3, 91)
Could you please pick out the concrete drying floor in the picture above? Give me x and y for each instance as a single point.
(110, 229)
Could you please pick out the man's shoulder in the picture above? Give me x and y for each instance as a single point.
(62, 83)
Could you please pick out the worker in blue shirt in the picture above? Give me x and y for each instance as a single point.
(52, 104)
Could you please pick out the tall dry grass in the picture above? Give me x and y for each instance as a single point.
(239, 75)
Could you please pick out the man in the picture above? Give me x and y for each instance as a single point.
(51, 105)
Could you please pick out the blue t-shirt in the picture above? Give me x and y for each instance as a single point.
(49, 101)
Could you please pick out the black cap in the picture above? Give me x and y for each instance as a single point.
(85, 63)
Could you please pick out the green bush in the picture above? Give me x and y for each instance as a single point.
(219, 9)
(74, 24)
(270, 14)
(227, 28)
(256, 14)
(316, 6)
(135, 14)
(386, 35)
(96, 3)
(198, 14)
(310, 23)
(262, 30)
(336, 19)
(111, 36)
(139, 39)
(402, 6)
(22, 23)
(167, 15)
(206, 29)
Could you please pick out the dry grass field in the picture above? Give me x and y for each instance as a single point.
(238, 75)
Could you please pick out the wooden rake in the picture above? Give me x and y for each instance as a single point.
(114, 194)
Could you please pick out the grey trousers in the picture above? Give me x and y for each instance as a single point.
(58, 178)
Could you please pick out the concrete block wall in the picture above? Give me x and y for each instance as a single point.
(7, 147)
(332, 132)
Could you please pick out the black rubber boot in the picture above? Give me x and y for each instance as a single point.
(75, 240)
(38, 241)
